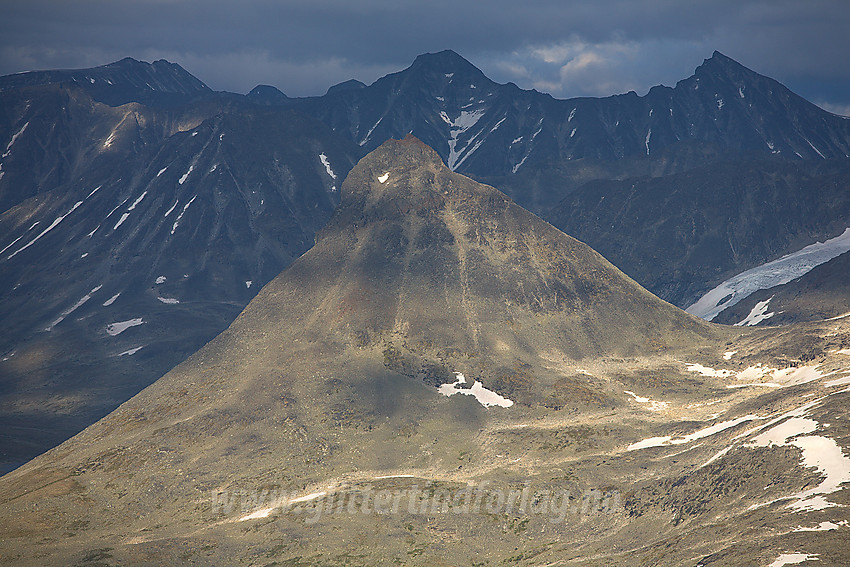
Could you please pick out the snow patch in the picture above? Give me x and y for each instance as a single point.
(131, 352)
(702, 433)
(168, 212)
(770, 274)
(779, 434)
(383, 178)
(394, 476)
(327, 165)
(484, 396)
(369, 133)
(13, 242)
(45, 231)
(821, 453)
(793, 559)
(114, 329)
(186, 175)
(12, 141)
(109, 140)
(76, 306)
(458, 127)
(757, 314)
(263, 513)
(518, 165)
(838, 382)
(706, 371)
(822, 527)
(111, 300)
(137, 201)
(814, 148)
(180, 216)
(824, 454)
(653, 404)
(729, 354)
(121, 220)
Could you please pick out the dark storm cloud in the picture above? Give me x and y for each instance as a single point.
(588, 47)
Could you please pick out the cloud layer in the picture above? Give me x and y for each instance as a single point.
(580, 48)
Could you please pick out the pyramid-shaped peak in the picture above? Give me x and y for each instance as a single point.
(477, 260)
(720, 63)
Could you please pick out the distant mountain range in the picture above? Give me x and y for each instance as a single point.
(141, 210)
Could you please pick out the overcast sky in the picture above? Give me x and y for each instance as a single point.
(578, 48)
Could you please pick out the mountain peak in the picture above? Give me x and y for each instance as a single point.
(720, 63)
(395, 168)
(441, 58)
(447, 62)
(349, 85)
(266, 94)
(718, 58)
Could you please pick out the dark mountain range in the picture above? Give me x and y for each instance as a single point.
(259, 174)
(676, 187)
(158, 84)
(486, 129)
(596, 424)
(133, 236)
